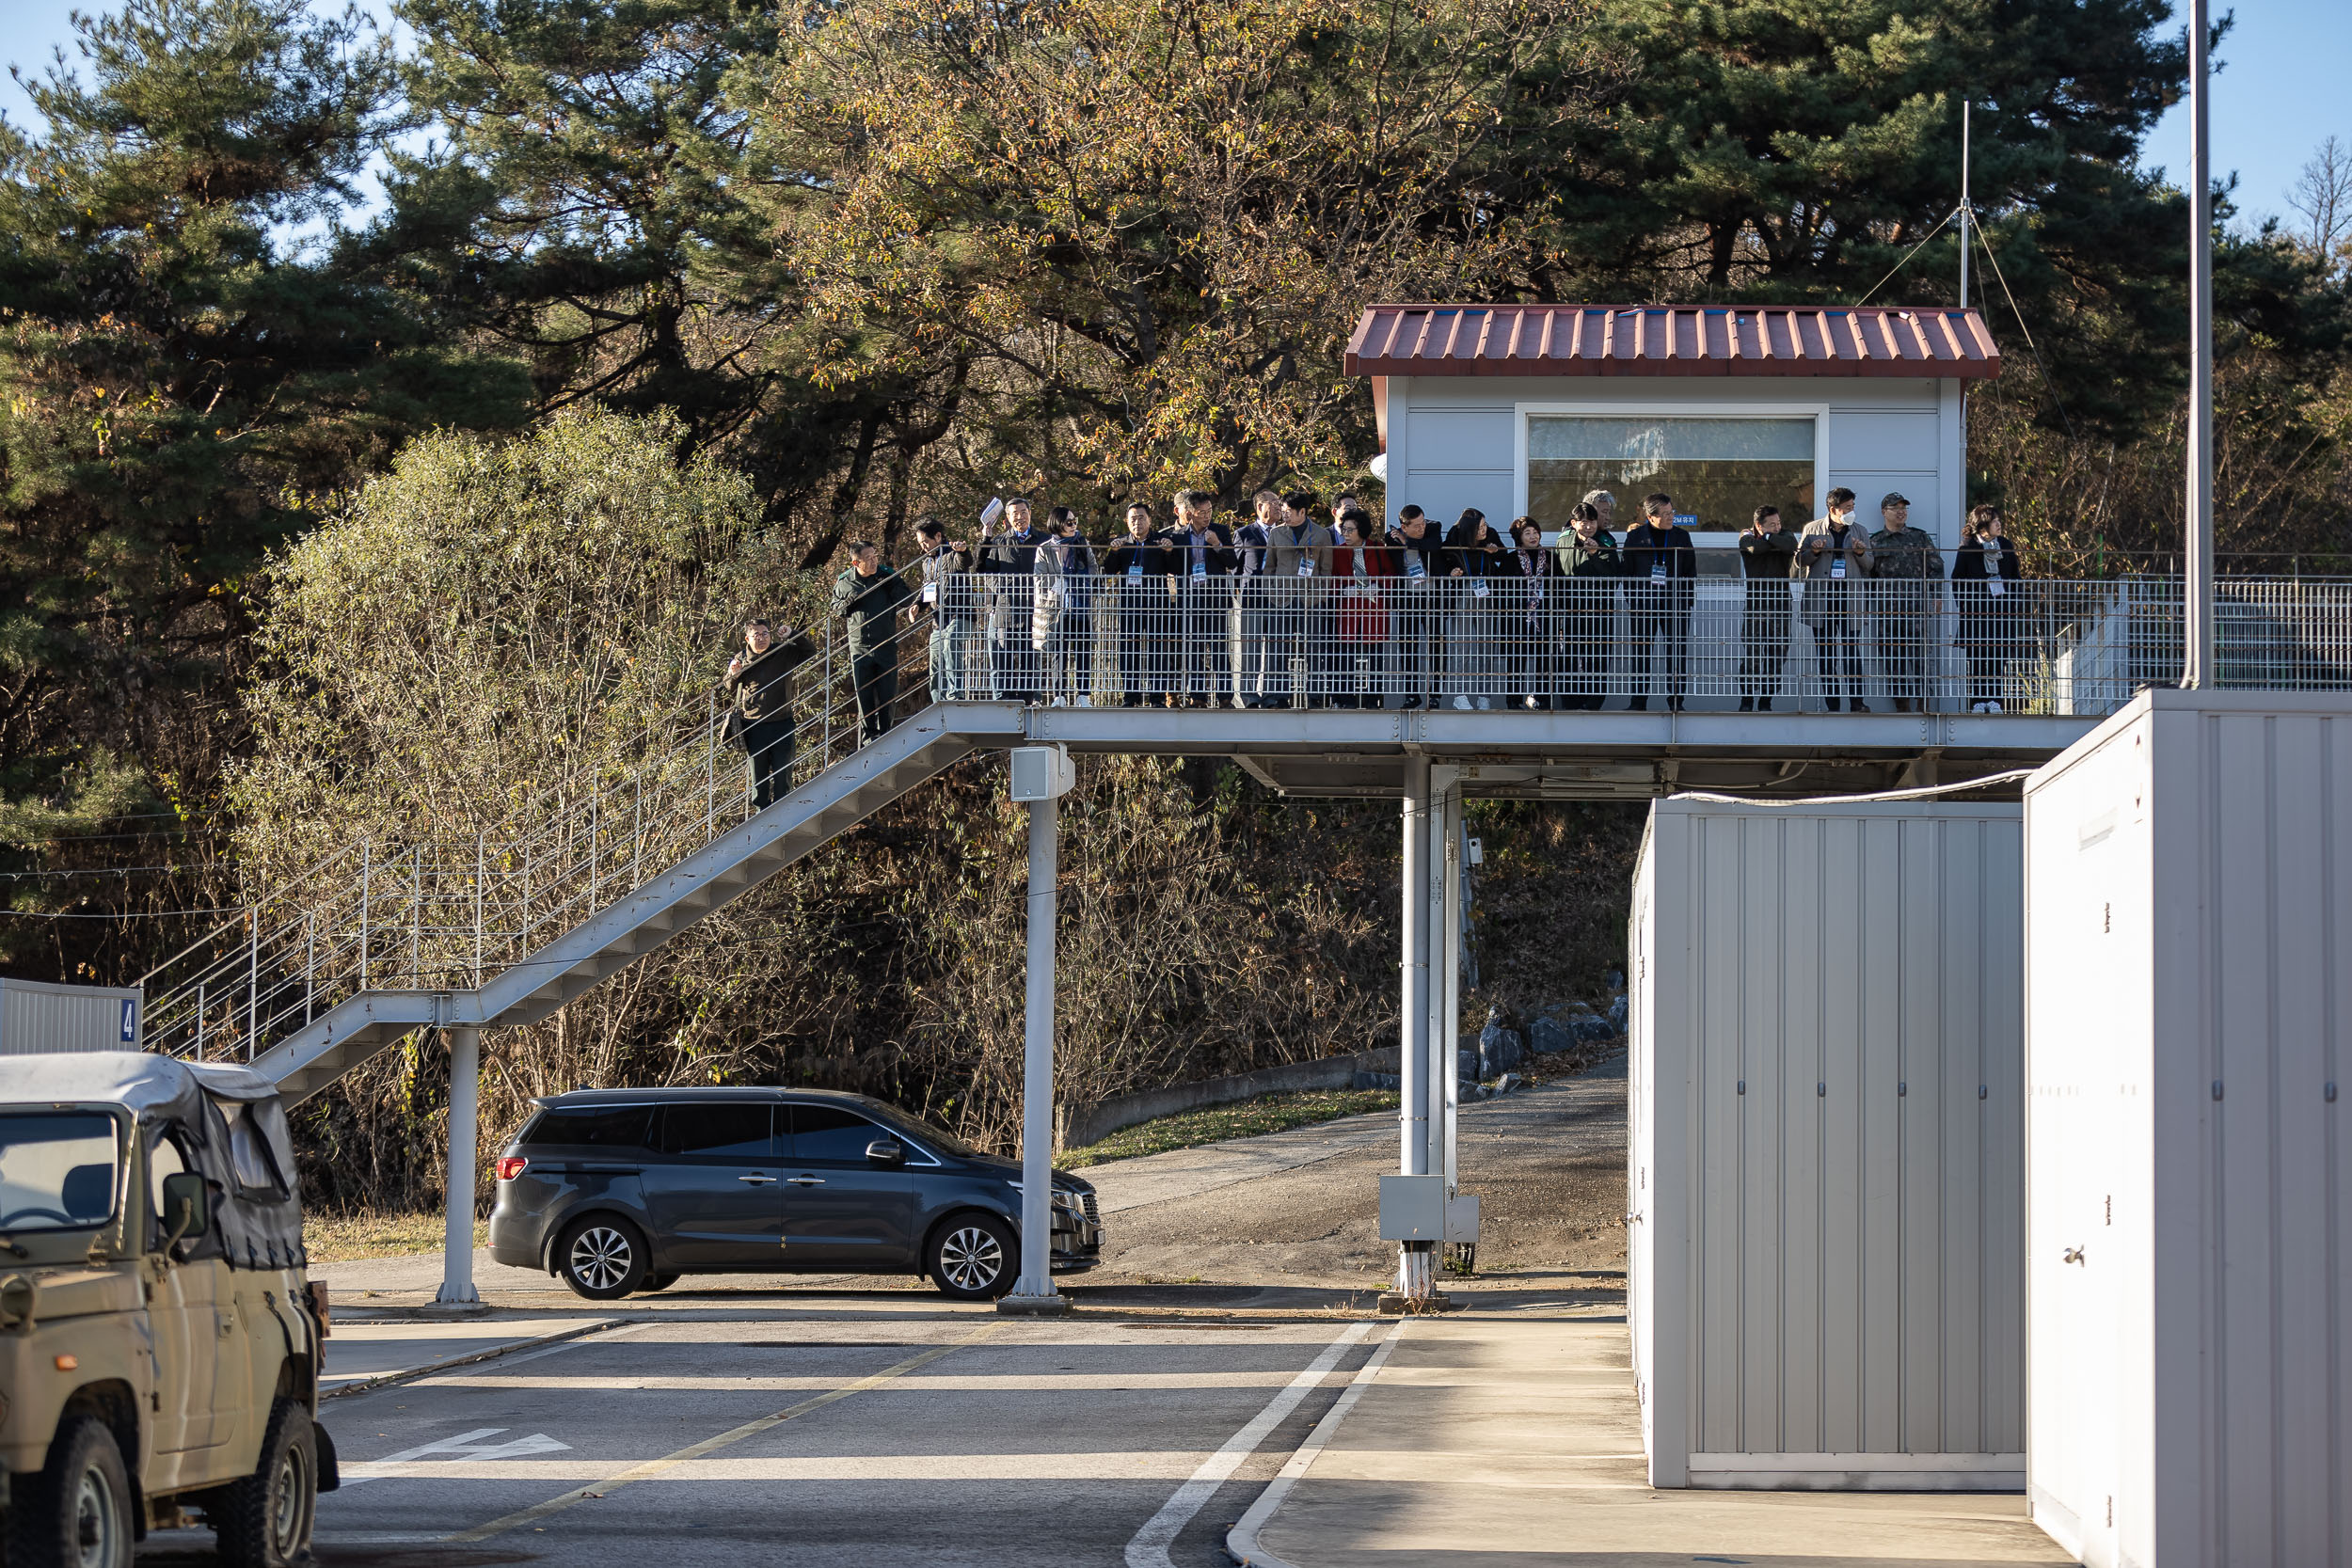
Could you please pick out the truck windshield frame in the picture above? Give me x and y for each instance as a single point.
(52, 1161)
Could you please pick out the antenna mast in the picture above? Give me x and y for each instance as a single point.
(2197, 664)
(1964, 204)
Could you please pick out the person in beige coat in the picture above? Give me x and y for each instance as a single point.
(1298, 595)
(1833, 561)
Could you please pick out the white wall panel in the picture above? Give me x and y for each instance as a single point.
(1826, 1076)
(1885, 440)
(36, 1016)
(2189, 1212)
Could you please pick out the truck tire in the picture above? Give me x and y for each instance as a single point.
(76, 1513)
(602, 1257)
(265, 1520)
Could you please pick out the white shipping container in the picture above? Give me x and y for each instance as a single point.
(2190, 1193)
(36, 1016)
(1826, 1168)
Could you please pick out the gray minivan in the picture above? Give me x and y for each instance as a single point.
(622, 1190)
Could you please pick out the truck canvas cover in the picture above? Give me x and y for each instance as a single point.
(230, 1125)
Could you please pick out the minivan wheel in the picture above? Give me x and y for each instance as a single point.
(265, 1520)
(76, 1513)
(602, 1256)
(974, 1258)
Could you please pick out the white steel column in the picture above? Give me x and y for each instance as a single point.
(1446, 1039)
(465, 1085)
(1035, 1290)
(1415, 1272)
(2199, 670)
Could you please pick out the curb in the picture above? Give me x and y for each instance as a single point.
(386, 1380)
(1241, 1542)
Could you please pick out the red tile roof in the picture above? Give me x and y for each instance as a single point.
(1670, 340)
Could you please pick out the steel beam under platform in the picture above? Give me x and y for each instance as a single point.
(1608, 756)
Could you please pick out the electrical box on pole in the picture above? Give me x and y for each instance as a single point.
(1042, 773)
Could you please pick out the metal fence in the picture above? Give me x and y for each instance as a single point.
(446, 907)
(1565, 643)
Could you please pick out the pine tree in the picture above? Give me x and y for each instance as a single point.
(186, 372)
(1799, 150)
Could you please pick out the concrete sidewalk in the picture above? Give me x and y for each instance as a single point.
(1490, 1439)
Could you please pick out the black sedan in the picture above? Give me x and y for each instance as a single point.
(622, 1190)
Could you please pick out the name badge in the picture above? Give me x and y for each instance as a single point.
(1414, 566)
(1478, 588)
(1200, 569)
(1995, 587)
(1307, 566)
(1837, 567)
(1134, 570)
(1658, 570)
(931, 593)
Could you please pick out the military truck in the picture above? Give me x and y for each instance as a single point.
(159, 1343)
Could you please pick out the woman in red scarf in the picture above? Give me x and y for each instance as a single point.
(1366, 573)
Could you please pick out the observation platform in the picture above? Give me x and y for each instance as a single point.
(1561, 756)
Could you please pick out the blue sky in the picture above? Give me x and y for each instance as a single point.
(2281, 91)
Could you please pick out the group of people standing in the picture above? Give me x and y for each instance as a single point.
(1280, 607)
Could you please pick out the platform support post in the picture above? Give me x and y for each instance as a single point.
(1416, 1266)
(1040, 780)
(465, 1087)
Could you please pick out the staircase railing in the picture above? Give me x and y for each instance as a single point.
(451, 905)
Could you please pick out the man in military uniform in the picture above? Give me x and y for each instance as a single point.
(1906, 570)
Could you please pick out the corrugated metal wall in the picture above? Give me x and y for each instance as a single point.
(2218, 1223)
(1853, 1006)
(36, 1017)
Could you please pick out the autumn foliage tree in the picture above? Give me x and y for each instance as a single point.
(1147, 227)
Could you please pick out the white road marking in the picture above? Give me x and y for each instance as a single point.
(1044, 1383)
(464, 1445)
(1241, 1542)
(1149, 1549)
(1111, 1464)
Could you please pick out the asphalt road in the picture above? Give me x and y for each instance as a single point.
(872, 1422)
(874, 1432)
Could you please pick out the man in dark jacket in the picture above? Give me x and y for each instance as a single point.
(1590, 562)
(1765, 552)
(1661, 570)
(1009, 560)
(759, 686)
(1204, 590)
(1136, 574)
(1427, 566)
(868, 597)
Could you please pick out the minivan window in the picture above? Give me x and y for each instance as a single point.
(593, 1126)
(718, 1128)
(830, 1132)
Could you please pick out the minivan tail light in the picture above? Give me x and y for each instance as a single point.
(511, 1166)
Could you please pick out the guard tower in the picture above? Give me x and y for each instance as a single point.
(1523, 408)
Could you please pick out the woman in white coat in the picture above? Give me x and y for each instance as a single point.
(1061, 611)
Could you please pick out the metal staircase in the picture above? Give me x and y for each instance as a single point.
(507, 922)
